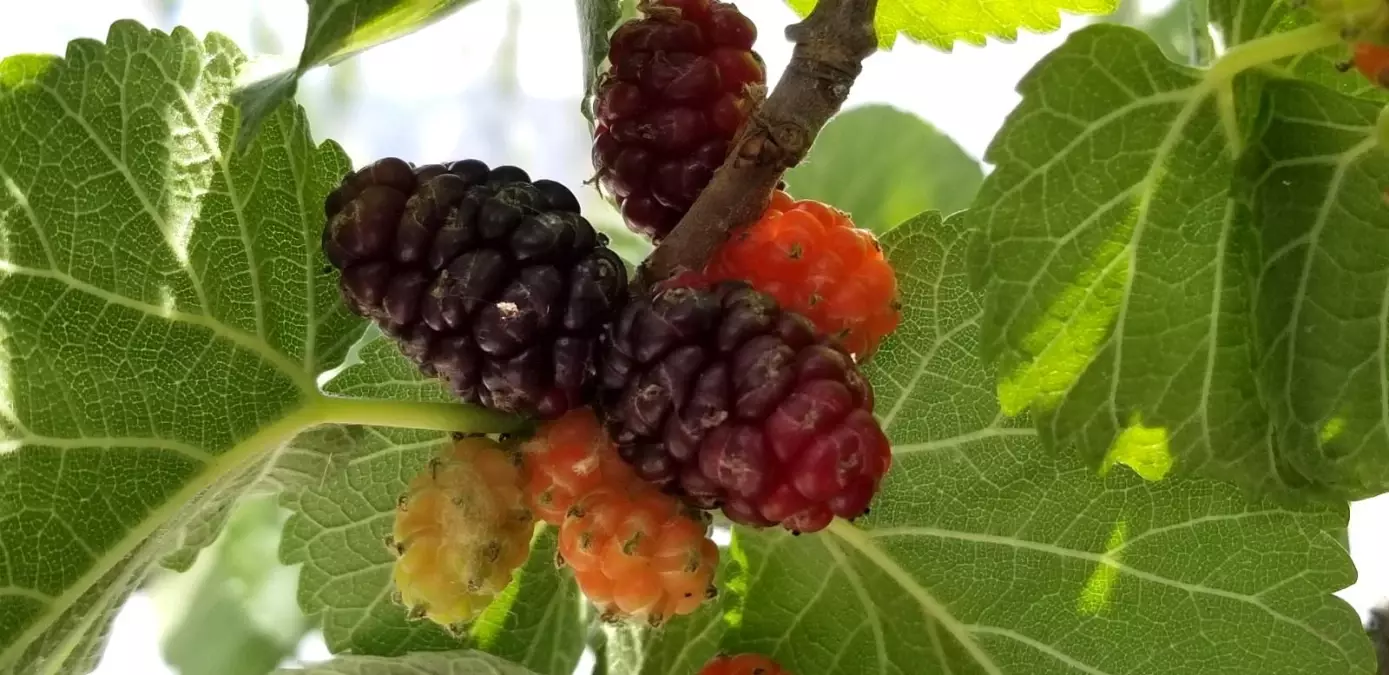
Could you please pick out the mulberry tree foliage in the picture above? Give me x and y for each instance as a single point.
(1135, 383)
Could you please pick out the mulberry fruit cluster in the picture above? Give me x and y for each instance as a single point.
(736, 388)
(484, 278)
(460, 532)
(814, 261)
(725, 399)
(682, 81)
(742, 664)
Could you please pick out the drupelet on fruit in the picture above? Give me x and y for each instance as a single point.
(565, 460)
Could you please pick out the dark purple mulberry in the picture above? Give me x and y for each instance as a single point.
(721, 397)
(683, 81)
(484, 278)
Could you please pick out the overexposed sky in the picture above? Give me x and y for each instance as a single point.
(966, 94)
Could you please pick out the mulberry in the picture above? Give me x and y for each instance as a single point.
(724, 399)
(636, 554)
(460, 532)
(683, 80)
(813, 260)
(567, 459)
(484, 278)
(742, 664)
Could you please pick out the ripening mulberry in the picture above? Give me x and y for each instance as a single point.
(742, 664)
(723, 398)
(683, 80)
(813, 260)
(637, 554)
(485, 278)
(567, 459)
(460, 532)
(1372, 61)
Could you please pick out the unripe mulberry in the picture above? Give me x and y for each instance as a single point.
(721, 397)
(484, 278)
(567, 459)
(742, 664)
(683, 80)
(811, 258)
(637, 554)
(460, 532)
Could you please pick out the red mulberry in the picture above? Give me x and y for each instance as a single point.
(723, 398)
(683, 80)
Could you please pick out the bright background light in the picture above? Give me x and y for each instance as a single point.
(501, 81)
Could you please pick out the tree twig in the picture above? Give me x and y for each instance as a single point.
(831, 44)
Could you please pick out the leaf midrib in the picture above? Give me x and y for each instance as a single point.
(274, 435)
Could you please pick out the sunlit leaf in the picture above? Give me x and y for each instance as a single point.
(1116, 290)
(163, 313)
(942, 24)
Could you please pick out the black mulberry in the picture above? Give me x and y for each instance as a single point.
(485, 278)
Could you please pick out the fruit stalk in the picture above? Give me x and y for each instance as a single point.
(831, 44)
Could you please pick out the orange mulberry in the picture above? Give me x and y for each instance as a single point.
(460, 532)
(565, 460)
(812, 259)
(638, 554)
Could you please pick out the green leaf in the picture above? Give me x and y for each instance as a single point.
(384, 372)
(338, 29)
(596, 19)
(1241, 21)
(338, 531)
(1315, 176)
(433, 663)
(163, 313)
(883, 166)
(300, 463)
(234, 613)
(940, 23)
(1118, 305)
(985, 554)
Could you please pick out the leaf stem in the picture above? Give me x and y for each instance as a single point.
(413, 415)
(1271, 48)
